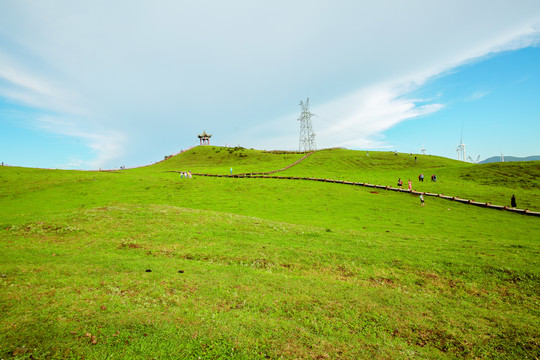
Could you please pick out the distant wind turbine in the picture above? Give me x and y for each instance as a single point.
(474, 161)
(423, 150)
(461, 149)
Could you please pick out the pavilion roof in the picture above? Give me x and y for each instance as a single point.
(204, 135)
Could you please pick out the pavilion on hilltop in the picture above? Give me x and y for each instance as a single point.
(204, 138)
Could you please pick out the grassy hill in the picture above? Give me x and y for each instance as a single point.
(267, 268)
(219, 160)
(454, 178)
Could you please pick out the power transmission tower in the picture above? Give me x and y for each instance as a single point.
(307, 136)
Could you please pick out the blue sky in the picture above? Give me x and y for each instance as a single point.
(87, 85)
(493, 102)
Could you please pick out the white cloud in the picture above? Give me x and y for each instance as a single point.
(374, 110)
(355, 121)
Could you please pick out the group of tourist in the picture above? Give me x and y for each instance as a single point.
(434, 179)
(185, 174)
(409, 183)
(421, 178)
(400, 184)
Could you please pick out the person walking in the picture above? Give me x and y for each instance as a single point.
(513, 201)
(422, 199)
(410, 184)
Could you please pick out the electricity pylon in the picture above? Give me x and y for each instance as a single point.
(307, 136)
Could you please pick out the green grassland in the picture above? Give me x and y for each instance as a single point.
(267, 268)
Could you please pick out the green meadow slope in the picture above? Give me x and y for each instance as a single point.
(495, 182)
(219, 160)
(266, 268)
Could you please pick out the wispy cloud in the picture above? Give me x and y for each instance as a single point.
(373, 110)
(24, 85)
(106, 145)
(477, 95)
(66, 117)
(24, 80)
